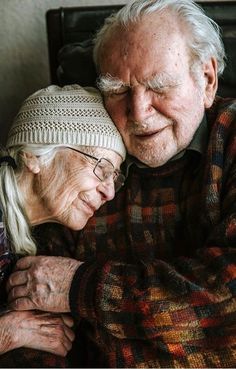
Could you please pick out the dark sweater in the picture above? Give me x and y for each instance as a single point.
(158, 286)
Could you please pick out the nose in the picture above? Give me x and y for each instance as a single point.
(107, 189)
(139, 104)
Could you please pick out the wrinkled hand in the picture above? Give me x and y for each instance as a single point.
(37, 330)
(41, 283)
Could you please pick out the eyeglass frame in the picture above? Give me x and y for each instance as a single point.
(117, 172)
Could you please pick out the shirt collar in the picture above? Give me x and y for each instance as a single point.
(197, 144)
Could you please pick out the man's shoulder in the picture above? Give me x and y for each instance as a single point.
(221, 120)
(222, 114)
(222, 105)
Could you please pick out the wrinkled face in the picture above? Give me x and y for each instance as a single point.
(69, 190)
(152, 95)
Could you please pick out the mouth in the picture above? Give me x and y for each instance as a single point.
(89, 206)
(146, 135)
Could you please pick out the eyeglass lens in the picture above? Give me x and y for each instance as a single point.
(104, 170)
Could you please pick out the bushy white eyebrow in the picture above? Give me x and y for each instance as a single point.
(108, 83)
(161, 81)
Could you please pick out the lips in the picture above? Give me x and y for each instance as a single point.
(88, 206)
(149, 134)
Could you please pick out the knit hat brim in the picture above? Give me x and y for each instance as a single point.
(69, 115)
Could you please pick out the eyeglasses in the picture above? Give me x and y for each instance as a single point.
(104, 170)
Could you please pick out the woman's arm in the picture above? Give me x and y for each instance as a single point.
(37, 330)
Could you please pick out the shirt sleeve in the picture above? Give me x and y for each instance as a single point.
(160, 299)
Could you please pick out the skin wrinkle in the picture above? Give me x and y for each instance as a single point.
(168, 116)
(155, 125)
(50, 332)
(6, 341)
(68, 205)
(47, 287)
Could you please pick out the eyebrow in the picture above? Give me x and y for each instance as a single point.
(161, 81)
(108, 83)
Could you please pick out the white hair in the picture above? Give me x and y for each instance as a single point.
(203, 34)
(16, 222)
(17, 225)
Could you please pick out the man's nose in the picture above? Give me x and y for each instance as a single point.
(139, 105)
(107, 189)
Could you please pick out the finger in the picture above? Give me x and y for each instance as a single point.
(49, 343)
(17, 292)
(67, 344)
(60, 335)
(22, 303)
(67, 319)
(52, 323)
(69, 333)
(25, 262)
(16, 279)
(50, 320)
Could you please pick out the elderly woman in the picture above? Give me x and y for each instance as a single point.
(61, 164)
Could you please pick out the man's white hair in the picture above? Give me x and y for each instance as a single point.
(203, 35)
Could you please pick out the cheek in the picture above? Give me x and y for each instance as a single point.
(186, 104)
(118, 113)
(65, 189)
(117, 110)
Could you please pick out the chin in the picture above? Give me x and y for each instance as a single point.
(156, 161)
(156, 158)
(77, 226)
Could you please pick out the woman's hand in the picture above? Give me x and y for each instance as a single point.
(42, 283)
(37, 330)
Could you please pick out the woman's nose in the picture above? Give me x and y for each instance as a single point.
(107, 189)
(139, 105)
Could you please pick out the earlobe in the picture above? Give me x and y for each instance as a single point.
(211, 80)
(31, 162)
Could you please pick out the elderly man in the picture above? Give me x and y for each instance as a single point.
(157, 284)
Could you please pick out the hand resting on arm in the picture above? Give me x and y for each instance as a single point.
(42, 283)
(37, 330)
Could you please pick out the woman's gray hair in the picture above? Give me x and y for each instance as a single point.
(16, 223)
(203, 34)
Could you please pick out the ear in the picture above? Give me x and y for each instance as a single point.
(31, 162)
(211, 81)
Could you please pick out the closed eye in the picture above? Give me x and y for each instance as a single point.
(116, 92)
(162, 84)
(158, 90)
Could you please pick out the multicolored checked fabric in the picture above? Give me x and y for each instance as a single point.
(158, 286)
(158, 283)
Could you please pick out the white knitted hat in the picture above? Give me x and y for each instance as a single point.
(69, 115)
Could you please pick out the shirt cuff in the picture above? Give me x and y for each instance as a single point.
(82, 294)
